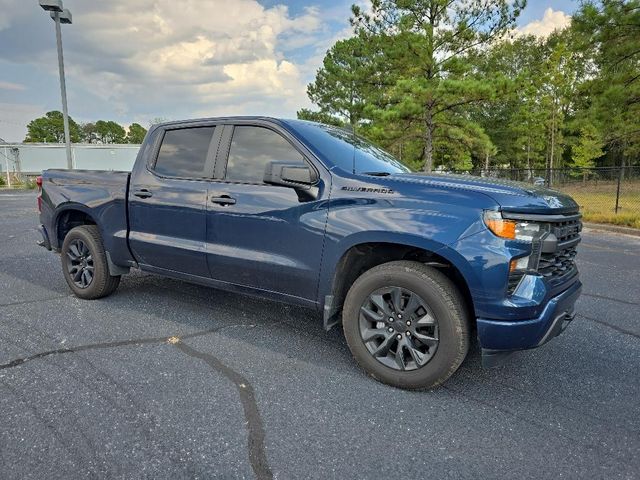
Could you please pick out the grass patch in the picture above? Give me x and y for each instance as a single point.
(597, 202)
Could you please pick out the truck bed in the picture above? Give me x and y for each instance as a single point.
(100, 194)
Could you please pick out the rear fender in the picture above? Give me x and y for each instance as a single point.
(114, 237)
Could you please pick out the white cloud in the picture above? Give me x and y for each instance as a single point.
(4, 13)
(215, 46)
(12, 9)
(11, 86)
(160, 56)
(552, 20)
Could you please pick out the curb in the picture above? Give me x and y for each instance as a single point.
(613, 228)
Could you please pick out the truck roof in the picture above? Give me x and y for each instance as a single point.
(229, 118)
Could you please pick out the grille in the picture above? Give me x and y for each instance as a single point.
(558, 263)
(566, 231)
(553, 266)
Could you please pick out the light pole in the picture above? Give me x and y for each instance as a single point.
(61, 15)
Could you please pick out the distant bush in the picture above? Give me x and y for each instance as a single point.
(26, 183)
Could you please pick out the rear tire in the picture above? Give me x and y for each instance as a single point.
(418, 343)
(84, 264)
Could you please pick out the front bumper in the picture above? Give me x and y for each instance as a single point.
(499, 338)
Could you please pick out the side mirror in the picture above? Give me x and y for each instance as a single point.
(287, 174)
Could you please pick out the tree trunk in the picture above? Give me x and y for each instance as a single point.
(553, 144)
(428, 143)
(486, 164)
(352, 118)
(428, 152)
(546, 165)
(530, 171)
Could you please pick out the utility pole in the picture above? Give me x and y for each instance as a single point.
(63, 89)
(61, 15)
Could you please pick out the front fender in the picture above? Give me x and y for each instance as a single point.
(432, 225)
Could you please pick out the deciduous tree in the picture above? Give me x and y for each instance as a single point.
(50, 129)
(136, 133)
(587, 149)
(108, 131)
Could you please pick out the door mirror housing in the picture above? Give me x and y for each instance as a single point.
(295, 175)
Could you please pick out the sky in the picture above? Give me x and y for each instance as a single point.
(138, 60)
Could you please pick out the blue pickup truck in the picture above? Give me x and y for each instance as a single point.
(413, 265)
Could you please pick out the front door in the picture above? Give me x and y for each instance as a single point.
(263, 236)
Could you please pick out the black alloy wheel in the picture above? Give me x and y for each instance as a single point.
(80, 263)
(85, 265)
(398, 328)
(406, 324)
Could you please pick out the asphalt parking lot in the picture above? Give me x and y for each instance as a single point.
(165, 379)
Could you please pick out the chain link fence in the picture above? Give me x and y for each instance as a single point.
(605, 194)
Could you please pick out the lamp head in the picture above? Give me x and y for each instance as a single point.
(51, 5)
(65, 16)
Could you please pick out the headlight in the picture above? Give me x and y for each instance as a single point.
(524, 231)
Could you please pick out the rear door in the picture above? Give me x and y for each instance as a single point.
(265, 237)
(167, 201)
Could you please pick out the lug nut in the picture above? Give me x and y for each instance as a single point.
(408, 323)
(390, 319)
(399, 337)
(399, 316)
(390, 329)
(408, 334)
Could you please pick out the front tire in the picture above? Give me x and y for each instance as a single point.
(84, 264)
(406, 325)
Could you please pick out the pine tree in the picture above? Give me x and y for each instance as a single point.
(610, 31)
(341, 84)
(426, 42)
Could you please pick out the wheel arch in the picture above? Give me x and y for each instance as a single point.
(69, 216)
(361, 257)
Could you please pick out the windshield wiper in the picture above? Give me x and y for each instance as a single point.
(377, 174)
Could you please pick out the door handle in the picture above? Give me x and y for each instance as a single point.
(143, 193)
(223, 200)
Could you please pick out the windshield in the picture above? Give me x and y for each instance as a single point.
(347, 150)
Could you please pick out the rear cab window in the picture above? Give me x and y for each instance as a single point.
(184, 153)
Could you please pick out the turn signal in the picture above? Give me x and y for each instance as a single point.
(499, 226)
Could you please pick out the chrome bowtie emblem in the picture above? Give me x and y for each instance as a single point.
(553, 202)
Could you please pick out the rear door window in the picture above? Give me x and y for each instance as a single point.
(184, 153)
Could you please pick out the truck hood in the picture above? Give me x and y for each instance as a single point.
(510, 195)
